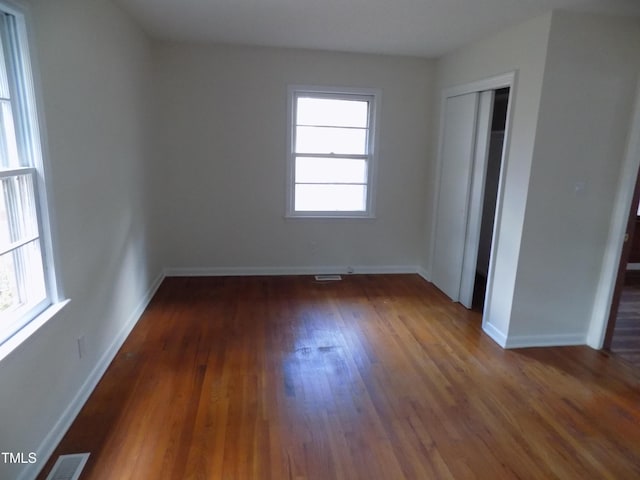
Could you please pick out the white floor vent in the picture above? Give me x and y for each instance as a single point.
(68, 467)
(328, 278)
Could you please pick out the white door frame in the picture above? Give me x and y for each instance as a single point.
(617, 230)
(494, 83)
(475, 197)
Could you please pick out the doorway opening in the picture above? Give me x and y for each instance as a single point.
(622, 335)
(489, 202)
(473, 138)
(617, 249)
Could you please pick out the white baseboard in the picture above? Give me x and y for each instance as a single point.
(528, 341)
(309, 270)
(424, 273)
(561, 340)
(494, 333)
(53, 438)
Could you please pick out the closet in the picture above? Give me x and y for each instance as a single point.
(474, 122)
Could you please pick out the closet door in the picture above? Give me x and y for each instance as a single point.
(456, 165)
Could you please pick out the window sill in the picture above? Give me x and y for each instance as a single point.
(29, 329)
(328, 216)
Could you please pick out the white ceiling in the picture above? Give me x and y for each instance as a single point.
(426, 28)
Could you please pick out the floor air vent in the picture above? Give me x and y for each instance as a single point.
(328, 278)
(68, 467)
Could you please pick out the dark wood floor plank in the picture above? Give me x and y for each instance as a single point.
(626, 334)
(374, 377)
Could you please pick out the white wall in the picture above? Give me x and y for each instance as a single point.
(588, 92)
(94, 66)
(221, 117)
(522, 48)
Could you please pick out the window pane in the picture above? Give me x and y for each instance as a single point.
(8, 287)
(18, 221)
(332, 112)
(346, 141)
(4, 84)
(21, 278)
(330, 198)
(330, 170)
(8, 148)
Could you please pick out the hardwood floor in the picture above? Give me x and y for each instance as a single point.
(374, 377)
(626, 335)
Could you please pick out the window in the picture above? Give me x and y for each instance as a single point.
(331, 152)
(26, 286)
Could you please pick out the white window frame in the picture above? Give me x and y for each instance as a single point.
(26, 115)
(371, 95)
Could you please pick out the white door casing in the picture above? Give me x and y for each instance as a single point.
(476, 196)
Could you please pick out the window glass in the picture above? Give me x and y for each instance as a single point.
(311, 197)
(341, 141)
(338, 113)
(330, 170)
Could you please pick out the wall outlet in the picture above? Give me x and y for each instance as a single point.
(82, 349)
(349, 269)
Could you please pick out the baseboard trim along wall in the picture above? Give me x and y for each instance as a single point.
(528, 341)
(310, 270)
(559, 340)
(424, 273)
(53, 438)
(495, 334)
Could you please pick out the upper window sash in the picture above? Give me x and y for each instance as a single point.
(348, 135)
(20, 88)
